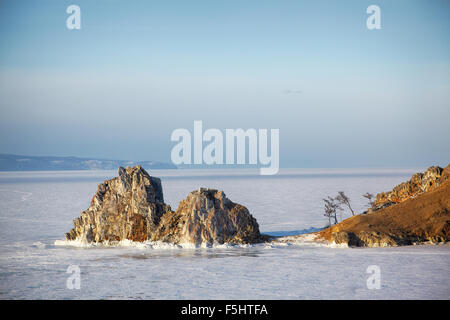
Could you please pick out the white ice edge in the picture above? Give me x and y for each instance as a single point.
(145, 245)
(308, 239)
(302, 240)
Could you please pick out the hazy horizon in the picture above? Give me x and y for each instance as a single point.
(224, 167)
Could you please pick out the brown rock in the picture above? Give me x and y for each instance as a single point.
(419, 183)
(208, 216)
(127, 207)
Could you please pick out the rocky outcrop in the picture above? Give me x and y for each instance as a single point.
(131, 206)
(419, 183)
(422, 217)
(208, 216)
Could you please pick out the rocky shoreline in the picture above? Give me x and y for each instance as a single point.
(131, 207)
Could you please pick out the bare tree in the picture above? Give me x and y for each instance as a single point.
(344, 200)
(330, 209)
(369, 197)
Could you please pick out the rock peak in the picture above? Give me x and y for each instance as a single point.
(208, 216)
(209, 193)
(126, 207)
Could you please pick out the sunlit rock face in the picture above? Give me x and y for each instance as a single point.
(419, 183)
(208, 216)
(131, 207)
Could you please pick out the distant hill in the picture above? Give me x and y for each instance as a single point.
(12, 162)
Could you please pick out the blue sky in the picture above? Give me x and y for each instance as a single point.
(341, 95)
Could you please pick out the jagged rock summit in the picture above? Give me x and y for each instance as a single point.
(131, 206)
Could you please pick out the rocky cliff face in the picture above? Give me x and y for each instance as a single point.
(127, 207)
(131, 206)
(420, 183)
(208, 216)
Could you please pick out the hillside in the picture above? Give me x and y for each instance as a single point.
(422, 216)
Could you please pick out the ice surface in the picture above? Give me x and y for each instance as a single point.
(36, 209)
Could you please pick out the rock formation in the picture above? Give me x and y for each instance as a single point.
(416, 211)
(131, 206)
(420, 183)
(208, 216)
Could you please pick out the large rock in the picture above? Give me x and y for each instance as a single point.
(208, 216)
(127, 207)
(419, 183)
(132, 207)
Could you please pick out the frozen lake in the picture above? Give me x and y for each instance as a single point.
(37, 208)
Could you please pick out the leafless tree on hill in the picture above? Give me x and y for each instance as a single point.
(330, 209)
(369, 197)
(344, 200)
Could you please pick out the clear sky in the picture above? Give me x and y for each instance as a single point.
(341, 95)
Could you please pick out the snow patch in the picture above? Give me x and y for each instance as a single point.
(309, 239)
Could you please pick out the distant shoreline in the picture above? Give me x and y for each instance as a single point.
(13, 162)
